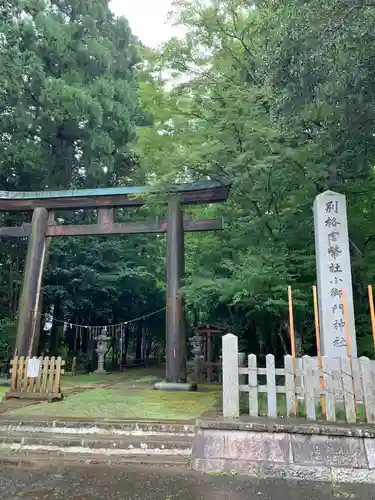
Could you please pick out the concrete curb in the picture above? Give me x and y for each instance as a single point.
(117, 439)
(87, 450)
(285, 450)
(52, 442)
(113, 427)
(37, 458)
(289, 426)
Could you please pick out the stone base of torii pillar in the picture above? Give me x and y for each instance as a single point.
(175, 386)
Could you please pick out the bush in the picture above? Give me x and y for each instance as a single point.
(7, 339)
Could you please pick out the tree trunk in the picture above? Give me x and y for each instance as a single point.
(138, 347)
(11, 286)
(297, 338)
(54, 340)
(126, 346)
(299, 344)
(282, 340)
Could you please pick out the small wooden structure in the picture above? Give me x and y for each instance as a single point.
(44, 384)
(211, 345)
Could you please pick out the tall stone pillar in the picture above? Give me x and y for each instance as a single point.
(30, 301)
(333, 274)
(175, 341)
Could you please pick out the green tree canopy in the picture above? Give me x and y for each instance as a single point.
(269, 98)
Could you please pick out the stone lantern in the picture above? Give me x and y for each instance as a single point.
(196, 343)
(101, 349)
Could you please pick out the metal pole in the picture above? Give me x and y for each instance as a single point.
(29, 298)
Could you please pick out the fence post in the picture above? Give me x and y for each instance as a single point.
(253, 385)
(311, 382)
(348, 388)
(231, 391)
(329, 389)
(368, 389)
(271, 386)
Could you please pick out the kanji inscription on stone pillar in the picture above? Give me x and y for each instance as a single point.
(333, 274)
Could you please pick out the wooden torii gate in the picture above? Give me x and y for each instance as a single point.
(43, 227)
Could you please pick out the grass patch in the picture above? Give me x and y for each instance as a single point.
(89, 379)
(151, 379)
(281, 408)
(3, 390)
(117, 403)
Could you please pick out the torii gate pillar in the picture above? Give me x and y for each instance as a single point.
(30, 300)
(175, 338)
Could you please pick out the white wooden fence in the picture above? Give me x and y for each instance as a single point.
(339, 390)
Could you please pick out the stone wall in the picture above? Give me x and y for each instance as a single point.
(265, 448)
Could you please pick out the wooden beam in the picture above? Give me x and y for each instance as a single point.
(132, 228)
(107, 229)
(189, 194)
(15, 232)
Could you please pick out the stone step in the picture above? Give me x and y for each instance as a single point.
(38, 458)
(122, 446)
(93, 427)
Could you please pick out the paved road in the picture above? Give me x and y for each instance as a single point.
(71, 482)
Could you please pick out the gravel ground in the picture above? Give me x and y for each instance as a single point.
(59, 481)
